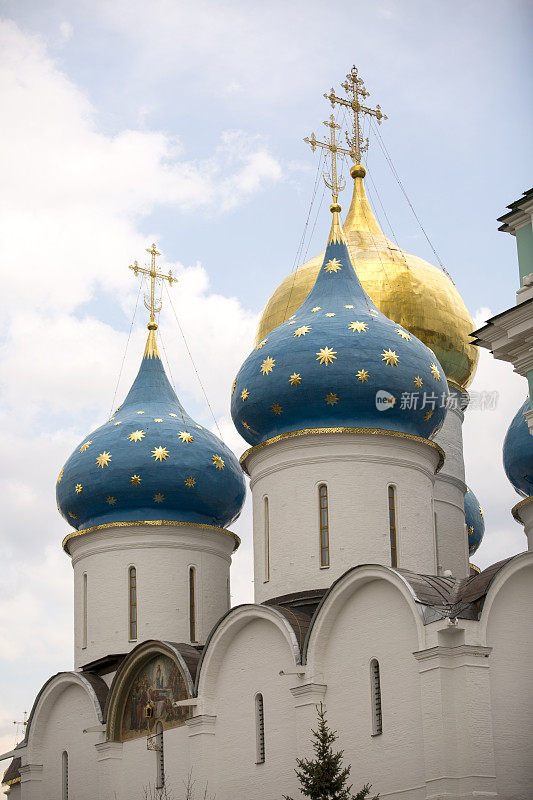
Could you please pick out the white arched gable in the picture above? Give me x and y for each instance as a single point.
(523, 561)
(339, 594)
(222, 636)
(44, 703)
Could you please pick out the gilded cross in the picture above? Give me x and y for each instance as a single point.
(152, 304)
(331, 180)
(356, 91)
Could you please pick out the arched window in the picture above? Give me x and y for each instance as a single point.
(324, 525)
(132, 576)
(267, 540)
(375, 698)
(160, 753)
(392, 527)
(64, 775)
(192, 604)
(259, 730)
(84, 612)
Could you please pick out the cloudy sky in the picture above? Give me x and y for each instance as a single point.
(130, 122)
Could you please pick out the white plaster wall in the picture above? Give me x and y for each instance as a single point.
(139, 766)
(251, 665)
(511, 680)
(61, 728)
(162, 557)
(357, 470)
(376, 622)
(452, 541)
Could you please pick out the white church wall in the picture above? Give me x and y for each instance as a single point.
(162, 557)
(507, 616)
(138, 766)
(357, 470)
(373, 620)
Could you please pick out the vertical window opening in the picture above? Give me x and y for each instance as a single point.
(84, 612)
(267, 541)
(192, 604)
(160, 753)
(64, 775)
(324, 525)
(392, 527)
(133, 602)
(259, 730)
(375, 694)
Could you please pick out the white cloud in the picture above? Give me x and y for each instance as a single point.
(66, 30)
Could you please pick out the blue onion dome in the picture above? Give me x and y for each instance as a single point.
(150, 461)
(338, 362)
(475, 521)
(518, 453)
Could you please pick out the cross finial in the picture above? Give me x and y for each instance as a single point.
(355, 89)
(151, 303)
(331, 179)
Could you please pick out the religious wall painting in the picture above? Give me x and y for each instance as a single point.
(152, 698)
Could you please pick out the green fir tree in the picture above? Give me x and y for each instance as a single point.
(325, 777)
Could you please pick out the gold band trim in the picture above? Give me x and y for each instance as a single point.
(11, 783)
(474, 567)
(152, 523)
(318, 431)
(517, 508)
(457, 386)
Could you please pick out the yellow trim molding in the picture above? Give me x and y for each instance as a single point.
(515, 511)
(151, 523)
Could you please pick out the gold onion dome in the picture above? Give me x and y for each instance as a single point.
(407, 289)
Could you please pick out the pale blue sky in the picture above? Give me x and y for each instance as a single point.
(126, 121)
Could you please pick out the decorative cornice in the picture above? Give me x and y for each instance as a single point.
(515, 511)
(341, 430)
(476, 650)
(150, 523)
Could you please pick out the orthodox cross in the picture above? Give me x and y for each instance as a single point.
(331, 180)
(356, 91)
(152, 304)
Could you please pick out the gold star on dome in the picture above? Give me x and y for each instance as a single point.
(73, 516)
(435, 372)
(157, 419)
(185, 437)
(217, 461)
(403, 334)
(85, 446)
(262, 344)
(276, 409)
(190, 481)
(471, 529)
(78, 488)
(233, 385)
(245, 425)
(301, 331)
(245, 394)
(326, 355)
(331, 399)
(348, 306)
(103, 459)
(267, 365)
(358, 326)
(158, 498)
(160, 453)
(60, 477)
(418, 381)
(333, 265)
(390, 358)
(110, 500)
(316, 308)
(295, 379)
(481, 512)
(171, 414)
(140, 412)
(331, 314)
(135, 480)
(428, 415)
(136, 436)
(362, 375)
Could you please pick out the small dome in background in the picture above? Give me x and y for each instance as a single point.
(475, 521)
(338, 361)
(518, 453)
(150, 461)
